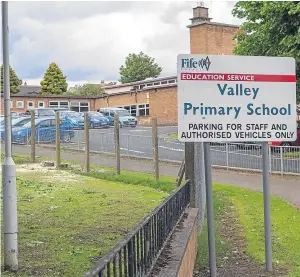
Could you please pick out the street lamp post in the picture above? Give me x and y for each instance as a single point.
(10, 219)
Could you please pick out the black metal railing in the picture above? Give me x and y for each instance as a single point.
(137, 253)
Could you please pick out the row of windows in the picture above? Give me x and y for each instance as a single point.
(73, 105)
(30, 104)
(154, 84)
(138, 110)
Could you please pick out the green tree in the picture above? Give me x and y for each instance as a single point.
(86, 90)
(54, 82)
(270, 29)
(138, 67)
(15, 82)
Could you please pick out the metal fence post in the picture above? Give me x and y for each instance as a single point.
(227, 156)
(281, 160)
(78, 141)
(117, 143)
(189, 170)
(155, 148)
(270, 159)
(32, 136)
(86, 142)
(128, 151)
(57, 127)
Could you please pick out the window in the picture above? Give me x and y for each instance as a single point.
(164, 83)
(171, 81)
(53, 104)
(157, 83)
(143, 110)
(142, 86)
(45, 123)
(20, 104)
(41, 104)
(150, 85)
(79, 106)
(57, 104)
(30, 105)
(131, 109)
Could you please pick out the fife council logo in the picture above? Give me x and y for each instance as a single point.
(192, 64)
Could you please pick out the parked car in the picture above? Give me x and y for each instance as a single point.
(111, 119)
(287, 143)
(125, 118)
(45, 131)
(16, 122)
(97, 120)
(73, 118)
(42, 112)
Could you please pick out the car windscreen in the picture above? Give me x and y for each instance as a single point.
(123, 113)
(47, 112)
(71, 114)
(18, 122)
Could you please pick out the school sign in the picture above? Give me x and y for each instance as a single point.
(236, 98)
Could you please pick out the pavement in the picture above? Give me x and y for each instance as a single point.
(138, 142)
(287, 188)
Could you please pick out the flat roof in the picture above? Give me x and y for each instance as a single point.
(140, 82)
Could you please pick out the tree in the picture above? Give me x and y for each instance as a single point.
(138, 67)
(54, 82)
(15, 82)
(271, 29)
(86, 90)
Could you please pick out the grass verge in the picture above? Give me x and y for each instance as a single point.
(292, 154)
(165, 183)
(173, 136)
(249, 213)
(67, 220)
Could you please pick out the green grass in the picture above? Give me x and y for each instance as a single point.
(249, 208)
(66, 219)
(292, 155)
(165, 183)
(173, 136)
(221, 245)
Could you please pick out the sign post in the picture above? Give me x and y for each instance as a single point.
(236, 99)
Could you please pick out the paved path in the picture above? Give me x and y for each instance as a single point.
(287, 188)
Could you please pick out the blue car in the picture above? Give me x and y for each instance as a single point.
(45, 131)
(97, 120)
(16, 122)
(72, 118)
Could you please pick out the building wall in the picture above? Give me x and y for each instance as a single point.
(45, 100)
(162, 104)
(212, 39)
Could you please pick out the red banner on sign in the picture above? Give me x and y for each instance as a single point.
(236, 77)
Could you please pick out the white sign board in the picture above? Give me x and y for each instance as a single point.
(236, 98)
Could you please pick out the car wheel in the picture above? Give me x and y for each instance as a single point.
(67, 138)
(120, 125)
(133, 126)
(92, 125)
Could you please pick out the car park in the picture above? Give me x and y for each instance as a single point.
(45, 131)
(125, 118)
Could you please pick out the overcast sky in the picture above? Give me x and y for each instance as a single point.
(90, 40)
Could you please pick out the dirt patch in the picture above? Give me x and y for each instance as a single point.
(48, 174)
(236, 263)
